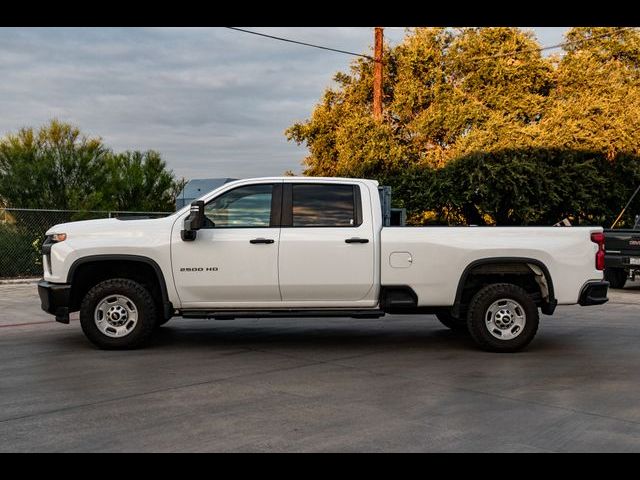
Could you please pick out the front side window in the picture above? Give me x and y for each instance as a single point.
(317, 205)
(242, 207)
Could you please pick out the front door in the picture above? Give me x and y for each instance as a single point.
(233, 262)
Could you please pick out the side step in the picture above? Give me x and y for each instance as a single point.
(231, 314)
(399, 299)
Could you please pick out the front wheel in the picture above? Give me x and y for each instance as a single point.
(502, 318)
(118, 314)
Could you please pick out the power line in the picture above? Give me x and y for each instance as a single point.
(473, 59)
(300, 43)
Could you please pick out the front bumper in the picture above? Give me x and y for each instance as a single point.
(594, 293)
(54, 299)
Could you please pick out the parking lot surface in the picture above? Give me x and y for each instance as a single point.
(401, 383)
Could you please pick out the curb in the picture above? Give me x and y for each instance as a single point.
(18, 281)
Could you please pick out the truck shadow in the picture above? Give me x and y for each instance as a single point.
(347, 338)
(213, 335)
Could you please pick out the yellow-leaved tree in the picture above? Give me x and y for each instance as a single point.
(480, 127)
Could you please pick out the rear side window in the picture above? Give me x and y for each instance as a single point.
(318, 205)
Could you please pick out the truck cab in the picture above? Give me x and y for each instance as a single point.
(270, 244)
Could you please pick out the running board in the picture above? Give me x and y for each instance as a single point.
(231, 314)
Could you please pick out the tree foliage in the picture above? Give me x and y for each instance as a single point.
(138, 181)
(479, 127)
(58, 167)
(53, 167)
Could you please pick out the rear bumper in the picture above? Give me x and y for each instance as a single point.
(619, 260)
(594, 293)
(54, 299)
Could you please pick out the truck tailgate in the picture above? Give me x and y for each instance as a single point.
(626, 242)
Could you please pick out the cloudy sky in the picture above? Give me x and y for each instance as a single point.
(213, 101)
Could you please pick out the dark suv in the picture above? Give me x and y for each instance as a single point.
(622, 254)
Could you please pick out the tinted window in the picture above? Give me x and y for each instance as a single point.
(248, 206)
(323, 206)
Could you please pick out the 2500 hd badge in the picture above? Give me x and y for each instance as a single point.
(198, 269)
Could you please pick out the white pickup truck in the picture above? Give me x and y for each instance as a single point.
(312, 247)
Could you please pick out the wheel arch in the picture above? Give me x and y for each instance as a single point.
(150, 266)
(548, 307)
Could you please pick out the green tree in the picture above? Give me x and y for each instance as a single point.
(53, 167)
(58, 167)
(137, 181)
(595, 107)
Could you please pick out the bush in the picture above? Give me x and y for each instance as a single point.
(533, 186)
(19, 252)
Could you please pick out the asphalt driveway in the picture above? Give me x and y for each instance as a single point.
(401, 383)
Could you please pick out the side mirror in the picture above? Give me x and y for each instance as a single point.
(193, 222)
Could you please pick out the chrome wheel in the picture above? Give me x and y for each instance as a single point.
(505, 319)
(116, 316)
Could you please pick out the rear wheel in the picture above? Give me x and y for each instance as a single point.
(617, 277)
(502, 318)
(118, 314)
(451, 322)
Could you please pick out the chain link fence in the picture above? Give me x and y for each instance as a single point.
(22, 233)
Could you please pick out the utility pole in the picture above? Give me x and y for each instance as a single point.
(377, 75)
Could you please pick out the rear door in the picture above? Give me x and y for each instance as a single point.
(326, 255)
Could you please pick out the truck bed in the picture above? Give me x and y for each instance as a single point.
(439, 255)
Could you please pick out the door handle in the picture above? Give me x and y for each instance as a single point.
(357, 240)
(261, 240)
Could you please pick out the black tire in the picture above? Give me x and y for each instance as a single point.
(142, 301)
(449, 321)
(479, 311)
(617, 277)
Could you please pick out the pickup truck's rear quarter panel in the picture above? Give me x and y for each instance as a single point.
(440, 255)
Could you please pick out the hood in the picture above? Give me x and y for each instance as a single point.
(106, 226)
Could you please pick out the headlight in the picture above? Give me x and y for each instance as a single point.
(58, 237)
